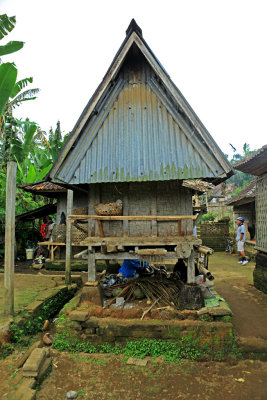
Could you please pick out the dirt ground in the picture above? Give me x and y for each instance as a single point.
(110, 377)
(234, 283)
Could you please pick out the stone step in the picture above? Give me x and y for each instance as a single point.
(33, 365)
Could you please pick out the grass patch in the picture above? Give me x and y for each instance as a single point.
(183, 348)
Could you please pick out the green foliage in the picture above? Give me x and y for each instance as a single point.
(7, 24)
(240, 179)
(81, 392)
(11, 47)
(8, 76)
(208, 217)
(30, 325)
(5, 350)
(185, 347)
(243, 185)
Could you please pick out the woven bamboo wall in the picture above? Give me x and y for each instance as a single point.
(261, 212)
(213, 234)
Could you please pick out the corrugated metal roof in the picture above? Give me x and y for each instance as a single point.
(70, 165)
(138, 135)
(255, 164)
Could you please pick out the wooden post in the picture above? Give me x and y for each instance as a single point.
(100, 228)
(191, 268)
(153, 208)
(68, 238)
(125, 198)
(91, 265)
(10, 238)
(180, 228)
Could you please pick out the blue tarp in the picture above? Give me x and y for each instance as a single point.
(129, 267)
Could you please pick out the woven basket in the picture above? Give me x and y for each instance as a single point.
(109, 208)
(80, 211)
(77, 235)
(59, 233)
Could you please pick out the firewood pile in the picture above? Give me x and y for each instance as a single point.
(158, 288)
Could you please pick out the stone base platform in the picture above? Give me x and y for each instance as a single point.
(209, 328)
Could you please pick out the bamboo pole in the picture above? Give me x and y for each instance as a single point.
(68, 239)
(10, 238)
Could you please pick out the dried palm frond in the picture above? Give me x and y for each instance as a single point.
(165, 291)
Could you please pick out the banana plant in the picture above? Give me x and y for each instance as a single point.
(8, 71)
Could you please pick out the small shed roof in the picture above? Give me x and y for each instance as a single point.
(44, 188)
(246, 195)
(138, 127)
(255, 164)
(44, 211)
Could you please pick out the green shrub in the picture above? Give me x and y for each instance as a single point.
(208, 217)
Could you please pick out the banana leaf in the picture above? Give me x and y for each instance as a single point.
(8, 76)
(10, 47)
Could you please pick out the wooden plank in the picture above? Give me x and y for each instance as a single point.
(131, 256)
(141, 241)
(91, 265)
(10, 238)
(135, 217)
(49, 243)
(100, 228)
(68, 238)
(151, 252)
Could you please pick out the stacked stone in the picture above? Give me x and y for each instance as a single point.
(260, 272)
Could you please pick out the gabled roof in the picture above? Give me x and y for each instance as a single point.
(246, 195)
(222, 190)
(255, 164)
(138, 127)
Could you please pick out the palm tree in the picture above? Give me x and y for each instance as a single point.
(56, 141)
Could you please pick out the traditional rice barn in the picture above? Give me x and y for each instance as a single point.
(256, 164)
(136, 141)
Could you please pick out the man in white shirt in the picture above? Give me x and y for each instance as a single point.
(240, 239)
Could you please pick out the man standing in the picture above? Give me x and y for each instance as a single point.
(240, 239)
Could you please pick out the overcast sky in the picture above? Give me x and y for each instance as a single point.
(214, 51)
